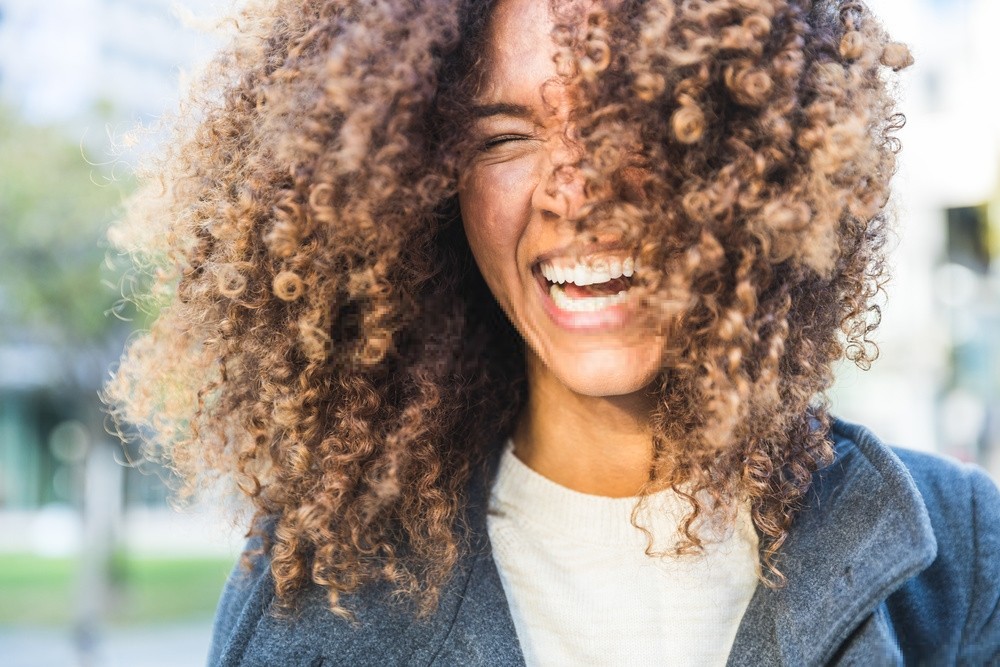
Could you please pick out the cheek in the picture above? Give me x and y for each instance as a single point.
(482, 228)
(495, 206)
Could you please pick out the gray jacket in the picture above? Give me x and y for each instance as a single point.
(894, 560)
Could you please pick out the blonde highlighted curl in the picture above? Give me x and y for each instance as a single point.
(326, 342)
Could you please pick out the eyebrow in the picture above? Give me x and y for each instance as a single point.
(500, 109)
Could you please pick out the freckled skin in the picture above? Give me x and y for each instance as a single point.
(591, 380)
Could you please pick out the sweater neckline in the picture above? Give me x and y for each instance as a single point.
(558, 511)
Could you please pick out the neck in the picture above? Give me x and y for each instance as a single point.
(599, 445)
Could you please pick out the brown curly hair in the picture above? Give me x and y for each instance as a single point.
(325, 341)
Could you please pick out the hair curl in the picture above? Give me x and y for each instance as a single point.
(326, 341)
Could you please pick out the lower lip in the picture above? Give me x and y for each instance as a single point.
(612, 317)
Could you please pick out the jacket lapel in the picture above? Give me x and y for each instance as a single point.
(482, 631)
(864, 531)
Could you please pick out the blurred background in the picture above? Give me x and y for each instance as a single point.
(97, 569)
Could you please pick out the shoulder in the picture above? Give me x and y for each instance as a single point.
(955, 602)
(948, 487)
(469, 626)
(245, 598)
(251, 630)
(960, 498)
(963, 504)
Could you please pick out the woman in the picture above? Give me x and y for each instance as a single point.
(512, 320)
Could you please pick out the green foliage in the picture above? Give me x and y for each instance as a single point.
(35, 590)
(41, 591)
(156, 590)
(54, 210)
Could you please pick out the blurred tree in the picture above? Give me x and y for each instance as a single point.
(54, 208)
(57, 296)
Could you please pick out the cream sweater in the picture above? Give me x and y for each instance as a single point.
(582, 591)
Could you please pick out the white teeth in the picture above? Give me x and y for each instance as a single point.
(600, 270)
(595, 271)
(586, 305)
(616, 269)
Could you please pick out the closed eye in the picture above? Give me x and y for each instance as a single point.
(494, 142)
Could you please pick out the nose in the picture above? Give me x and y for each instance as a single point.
(559, 193)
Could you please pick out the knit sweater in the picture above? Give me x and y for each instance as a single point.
(583, 591)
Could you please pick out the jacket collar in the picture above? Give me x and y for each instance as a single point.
(863, 532)
(481, 631)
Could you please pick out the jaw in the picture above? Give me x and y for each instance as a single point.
(604, 372)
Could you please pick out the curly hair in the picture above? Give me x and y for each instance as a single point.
(326, 343)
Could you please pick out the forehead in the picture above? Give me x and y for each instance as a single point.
(519, 49)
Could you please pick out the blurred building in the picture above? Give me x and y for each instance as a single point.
(937, 383)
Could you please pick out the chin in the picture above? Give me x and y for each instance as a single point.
(605, 374)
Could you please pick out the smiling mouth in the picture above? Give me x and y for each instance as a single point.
(587, 287)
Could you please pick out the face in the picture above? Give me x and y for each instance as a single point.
(519, 196)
